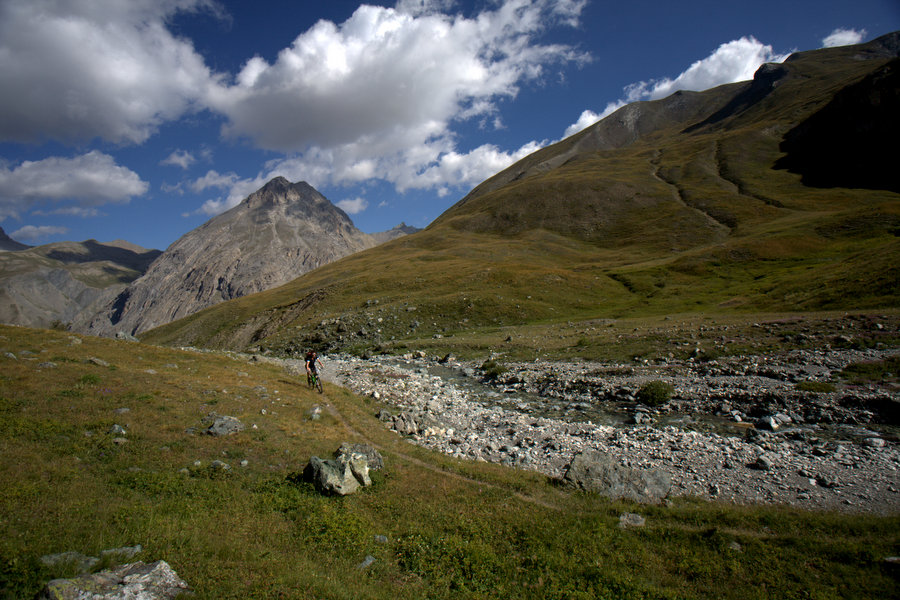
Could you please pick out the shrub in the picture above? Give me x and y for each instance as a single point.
(819, 387)
(654, 393)
(492, 369)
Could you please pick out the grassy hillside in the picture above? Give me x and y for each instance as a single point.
(453, 529)
(665, 207)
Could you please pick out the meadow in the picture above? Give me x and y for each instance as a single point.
(436, 527)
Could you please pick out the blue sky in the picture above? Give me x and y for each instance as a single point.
(141, 119)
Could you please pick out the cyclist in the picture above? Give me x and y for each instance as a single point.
(311, 359)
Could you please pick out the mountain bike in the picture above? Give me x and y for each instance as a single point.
(312, 378)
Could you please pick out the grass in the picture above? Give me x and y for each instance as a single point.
(454, 529)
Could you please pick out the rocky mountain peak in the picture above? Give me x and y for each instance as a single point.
(276, 234)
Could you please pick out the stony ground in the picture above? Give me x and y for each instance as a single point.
(736, 429)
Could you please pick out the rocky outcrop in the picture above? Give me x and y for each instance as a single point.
(135, 581)
(594, 471)
(275, 235)
(344, 474)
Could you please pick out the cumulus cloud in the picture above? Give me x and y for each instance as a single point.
(353, 206)
(89, 180)
(844, 37)
(732, 61)
(179, 158)
(377, 96)
(106, 69)
(33, 233)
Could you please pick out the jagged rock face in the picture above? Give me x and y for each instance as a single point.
(275, 235)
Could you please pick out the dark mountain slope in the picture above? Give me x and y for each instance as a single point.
(665, 206)
(7, 243)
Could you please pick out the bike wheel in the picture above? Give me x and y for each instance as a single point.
(319, 385)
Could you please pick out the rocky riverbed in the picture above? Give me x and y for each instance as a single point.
(737, 429)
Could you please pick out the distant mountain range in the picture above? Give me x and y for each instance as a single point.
(63, 282)
(776, 194)
(275, 235)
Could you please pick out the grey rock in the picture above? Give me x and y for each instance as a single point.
(117, 430)
(337, 477)
(627, 520)
(135, 581)
(599, 472)
(124, 553)
(765, 462)
(366, 563)
(371, 454)
(224, 425)
(76, 560)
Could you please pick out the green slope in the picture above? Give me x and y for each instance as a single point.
(672, 206)
(450, 528)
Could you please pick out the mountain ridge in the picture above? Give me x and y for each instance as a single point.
(671, 205)
(277, 233)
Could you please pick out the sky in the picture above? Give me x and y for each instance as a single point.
(141, 119)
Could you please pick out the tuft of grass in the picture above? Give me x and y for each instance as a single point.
(655, 393)
(818, 387)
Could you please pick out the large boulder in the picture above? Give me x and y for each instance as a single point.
(338, 477)
(223, 425)
(372, 456)
(135, 581)
(595, 471)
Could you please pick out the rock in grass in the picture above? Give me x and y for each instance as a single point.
(595, 471)
(135, 581)
(341, 476)
(627, 520)
(223, 425)
(76, 560)
(372, 456)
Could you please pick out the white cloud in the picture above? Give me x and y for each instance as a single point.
(844, 37)
(32, 233)
(353, 206)
(89, 180)
(587, 118)
(105, 68)
(69, 211)
(214, 179)
(377, 96)
(732, 61)
(179, 158)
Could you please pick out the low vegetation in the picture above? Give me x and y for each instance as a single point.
(452, 529)
(655, 393)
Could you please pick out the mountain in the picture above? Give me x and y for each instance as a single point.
(8, 244)
(63, 282)
(275, 235)
(699, 203)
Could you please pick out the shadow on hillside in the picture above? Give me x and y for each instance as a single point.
(852, 141)
(101, 252)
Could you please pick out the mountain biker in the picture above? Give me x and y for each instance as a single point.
(311, 359)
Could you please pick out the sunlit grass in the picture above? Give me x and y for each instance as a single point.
(454, 529)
